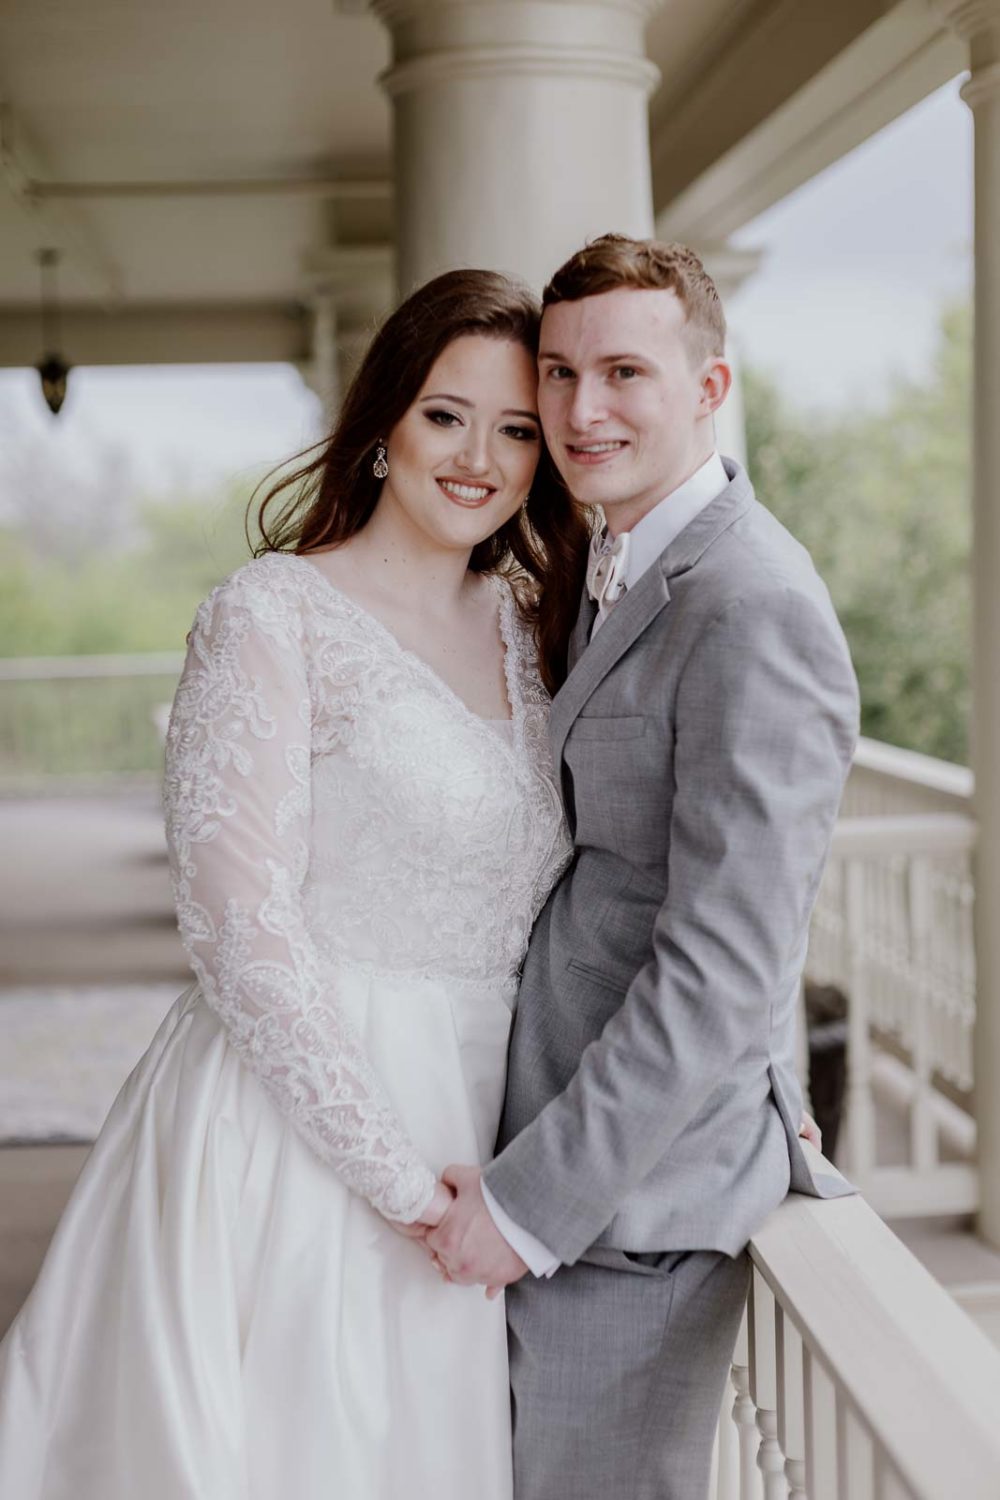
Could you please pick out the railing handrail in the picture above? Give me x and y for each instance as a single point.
(916, 833)
(916, 1370)
(913, 767)
(54, 668)
(871, 755)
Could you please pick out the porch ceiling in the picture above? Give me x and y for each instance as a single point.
(133, 93)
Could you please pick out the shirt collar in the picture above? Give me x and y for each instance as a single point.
(651, 536)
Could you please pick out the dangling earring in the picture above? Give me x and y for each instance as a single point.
(524, 502)
(380, 468)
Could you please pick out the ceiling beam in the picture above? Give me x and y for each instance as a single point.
(163, 334)
(885, 70)
(778, 46)
(332, 189)
(61, 227)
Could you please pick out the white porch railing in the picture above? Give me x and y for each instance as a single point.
(856, 1376)
(886, 781)
(82, 719)
(893, 929)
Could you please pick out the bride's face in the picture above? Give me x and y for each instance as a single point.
(462, 458)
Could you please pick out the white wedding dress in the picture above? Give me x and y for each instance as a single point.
(224, 1312)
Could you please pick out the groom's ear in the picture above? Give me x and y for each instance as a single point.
(716, 381)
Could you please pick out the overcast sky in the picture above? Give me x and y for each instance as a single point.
(856, 267)
(858, 262)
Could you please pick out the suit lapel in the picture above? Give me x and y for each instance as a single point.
(581, 630)
(709, 524)
(625, 624)
(590, 664)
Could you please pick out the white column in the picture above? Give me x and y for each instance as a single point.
(348, 290)
(323, 375)
(979, 23)
(520, 130)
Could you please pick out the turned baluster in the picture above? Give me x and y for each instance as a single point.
(744, 1416)
(726, 1458)
(763, 1385)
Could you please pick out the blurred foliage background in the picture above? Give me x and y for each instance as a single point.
(116, 583)
(879, 495)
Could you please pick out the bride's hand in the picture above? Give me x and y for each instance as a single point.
(442, 1199)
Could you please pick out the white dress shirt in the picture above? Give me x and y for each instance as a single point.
(659, 526)
(648, 539)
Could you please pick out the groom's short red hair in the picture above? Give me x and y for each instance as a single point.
(614, 261)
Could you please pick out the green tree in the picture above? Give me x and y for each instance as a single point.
(881, 500)
(94, 598)
(879, 497)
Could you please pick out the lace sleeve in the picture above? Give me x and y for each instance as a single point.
(237, 802)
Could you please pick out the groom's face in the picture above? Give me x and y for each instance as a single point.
(622, 398)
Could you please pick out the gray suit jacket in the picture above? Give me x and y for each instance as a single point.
(703, 739)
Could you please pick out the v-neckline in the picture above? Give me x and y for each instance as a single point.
(505, 605)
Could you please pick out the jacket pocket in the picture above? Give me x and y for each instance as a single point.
(592, 727)
(596, 976)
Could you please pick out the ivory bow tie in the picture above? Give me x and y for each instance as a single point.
(607, 567)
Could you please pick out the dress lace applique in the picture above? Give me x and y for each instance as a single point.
(330, 801)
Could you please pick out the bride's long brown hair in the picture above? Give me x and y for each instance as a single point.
(330, 497)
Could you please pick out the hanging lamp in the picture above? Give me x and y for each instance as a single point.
(53, 369)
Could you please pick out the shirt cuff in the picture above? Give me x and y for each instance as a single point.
(536, 1256)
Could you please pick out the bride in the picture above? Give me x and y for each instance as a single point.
(362, 825)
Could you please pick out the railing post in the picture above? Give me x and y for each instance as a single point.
(802, 1045)
(860, 1112)
(855, 1458)
(923, 1130)
(978, 23)
(791, 1414)
(821, 1431)
(888, 1485)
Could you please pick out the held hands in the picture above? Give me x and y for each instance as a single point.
(441, 1201)
(436, 1209)
(466, 1244)
(459, 1235)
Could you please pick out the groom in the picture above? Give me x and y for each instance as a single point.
(702, 738)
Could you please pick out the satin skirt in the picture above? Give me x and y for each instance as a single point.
(218, 1317)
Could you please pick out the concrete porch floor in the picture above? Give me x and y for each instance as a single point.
(85, 899)
(35, 1182)
(84, 891)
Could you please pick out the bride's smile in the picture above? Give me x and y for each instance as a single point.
(471, 439)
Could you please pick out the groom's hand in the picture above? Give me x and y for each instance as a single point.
(810, 1131)
(467, 1242)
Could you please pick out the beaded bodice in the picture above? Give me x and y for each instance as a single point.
(330, 800)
